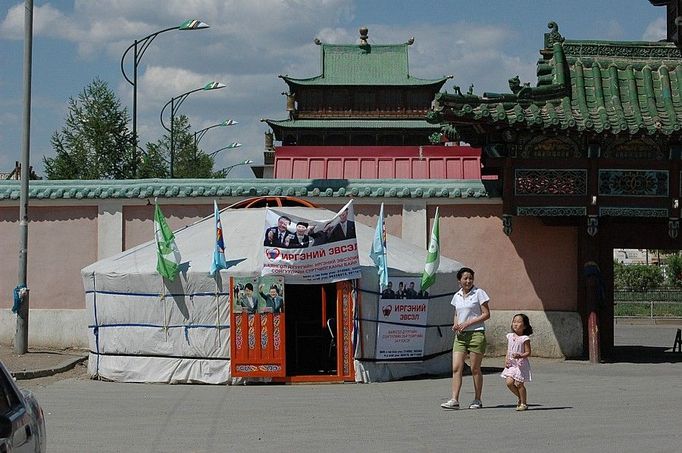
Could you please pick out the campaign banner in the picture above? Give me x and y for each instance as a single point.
(305, 250)
(403, 312)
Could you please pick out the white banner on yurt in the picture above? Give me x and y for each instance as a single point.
(403, 312)
(320, 251)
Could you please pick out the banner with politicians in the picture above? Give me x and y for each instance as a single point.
(403, 311)
(305, 250)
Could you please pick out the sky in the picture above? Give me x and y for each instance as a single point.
(250, 42)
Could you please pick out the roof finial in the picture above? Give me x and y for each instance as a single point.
(410, 41)
(363, 36)
(553, 36)
(317, 41)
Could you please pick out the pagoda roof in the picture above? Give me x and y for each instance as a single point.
(357, 64)
(352, 124)
(584, 86)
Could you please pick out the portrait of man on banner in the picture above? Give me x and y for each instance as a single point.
(258, 295)
(306, 250)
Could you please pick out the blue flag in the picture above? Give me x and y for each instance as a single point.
(219, 249)
(378, 252)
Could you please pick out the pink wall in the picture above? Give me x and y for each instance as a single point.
(377, 162)
(138, 221)
(61, 241)
(533, 269)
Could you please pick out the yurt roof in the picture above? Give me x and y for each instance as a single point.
(243, 231)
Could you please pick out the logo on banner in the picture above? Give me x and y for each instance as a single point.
(387, 311)
(272, 254)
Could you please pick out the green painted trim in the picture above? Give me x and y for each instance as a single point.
(212, 188)
(552, 211)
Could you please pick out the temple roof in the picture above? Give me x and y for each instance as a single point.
(595, 86)
(209, 188)
(365, 64)
(356, 123)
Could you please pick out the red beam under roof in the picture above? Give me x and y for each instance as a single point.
(377, 162)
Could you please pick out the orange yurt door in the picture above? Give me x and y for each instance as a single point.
(257, 332)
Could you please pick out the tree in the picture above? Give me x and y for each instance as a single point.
(95, 142)
(674, 270)
(636, 277)
(188, 162)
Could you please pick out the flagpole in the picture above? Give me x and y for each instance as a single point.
(165, 314)
(217, 303)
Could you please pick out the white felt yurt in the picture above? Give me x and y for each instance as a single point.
(142, 328)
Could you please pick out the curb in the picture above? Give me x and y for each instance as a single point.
(64, 366)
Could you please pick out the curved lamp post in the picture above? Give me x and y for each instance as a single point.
(230, 146)
(175, 104)
(198, 135)
(139, 47)
(225, 171)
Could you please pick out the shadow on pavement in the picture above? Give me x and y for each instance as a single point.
(643, 354)
(531, 407)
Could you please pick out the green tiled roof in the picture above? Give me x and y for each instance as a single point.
(210, 188)
(364, 65)
(353, 124)
(594, 86)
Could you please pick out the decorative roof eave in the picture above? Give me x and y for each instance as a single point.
(576, 92)
(356, 123)
(410, 81)
(211, 188)
(624, 52)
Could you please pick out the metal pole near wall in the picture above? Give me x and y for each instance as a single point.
(21, 335)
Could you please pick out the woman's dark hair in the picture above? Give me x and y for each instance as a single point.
(527, 328)
(462, 271)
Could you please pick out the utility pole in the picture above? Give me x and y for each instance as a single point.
(21, 336)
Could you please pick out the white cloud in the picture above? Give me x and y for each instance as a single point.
(248, 45)
(656, 30)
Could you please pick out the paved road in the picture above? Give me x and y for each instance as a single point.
(573, 405)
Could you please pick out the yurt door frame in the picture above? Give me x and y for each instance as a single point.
(258, 342)
(323, 339)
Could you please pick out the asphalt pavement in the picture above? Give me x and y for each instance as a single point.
(631, 405)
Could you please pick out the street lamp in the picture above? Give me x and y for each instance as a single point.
(230, 146)
(227, 170)
(175, 104)
(139, 47)
(198, 135)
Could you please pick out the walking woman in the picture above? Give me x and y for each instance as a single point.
(471, 310)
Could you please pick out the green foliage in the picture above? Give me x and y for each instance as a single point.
(674, 267)
(95, 142)
(636, 277)
(188, 161)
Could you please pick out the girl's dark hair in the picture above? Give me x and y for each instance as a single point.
(462, 271)
(527, 328)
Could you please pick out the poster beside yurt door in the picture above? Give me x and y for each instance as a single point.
(257, 327)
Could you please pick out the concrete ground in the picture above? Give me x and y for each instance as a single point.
(630, 405)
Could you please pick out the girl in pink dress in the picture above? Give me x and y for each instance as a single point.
(517, 366)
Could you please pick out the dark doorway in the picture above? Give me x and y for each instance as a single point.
(310, 329)
(621, 341)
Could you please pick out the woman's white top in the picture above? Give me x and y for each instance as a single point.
(469, 306)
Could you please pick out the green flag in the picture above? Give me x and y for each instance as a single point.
(432, 258)
(168, 255)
